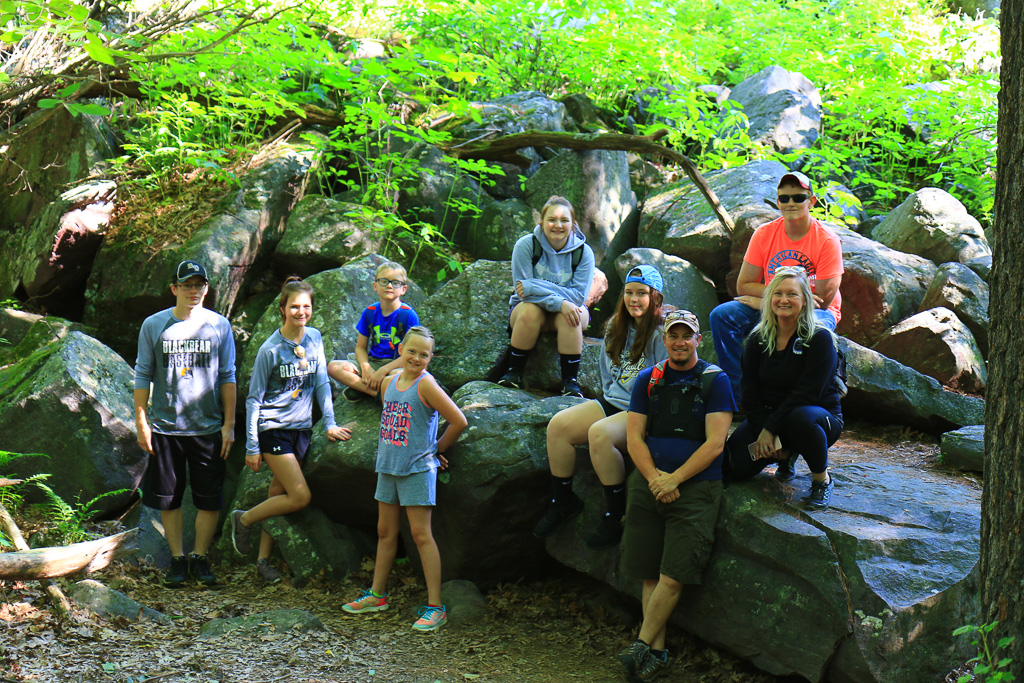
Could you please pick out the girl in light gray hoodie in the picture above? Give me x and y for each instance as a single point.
(552, 271)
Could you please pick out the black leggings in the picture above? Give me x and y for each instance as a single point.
(808, 430)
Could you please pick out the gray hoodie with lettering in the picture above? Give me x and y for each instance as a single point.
(617, 380)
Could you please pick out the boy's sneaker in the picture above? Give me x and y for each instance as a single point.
(607, 534)
(199, 568)
(821, 494)
(571, 387)
(431, 618)
(353, 395)
(653, 666)
(634, 656)
(177, 573)
(241, 535)
(267, 572)
(367, 602)
(513, 379)
(787, 468)
(556, 515)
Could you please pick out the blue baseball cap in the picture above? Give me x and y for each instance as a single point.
(647, 275)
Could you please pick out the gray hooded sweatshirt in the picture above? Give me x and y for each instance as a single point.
(551, 281)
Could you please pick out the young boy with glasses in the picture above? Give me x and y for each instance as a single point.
(381, 328)
(794, 239)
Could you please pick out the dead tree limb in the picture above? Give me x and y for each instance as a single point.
(57, 597)
(47, 563)
(505, 149)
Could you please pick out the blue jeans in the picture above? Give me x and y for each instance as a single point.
(730, 323)
(807, 430)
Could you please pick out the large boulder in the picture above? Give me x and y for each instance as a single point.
(937, 344)
(783, 108)
(50, 259)
(500, 225)
(70, 398)
(961, 290)
(16, 324)
(235, 246)
(881, 286)
(861, 584)
(278, 623)
(746, 223)
(934, 224)
(324, 233)
(884, 389)
(314, 546)
(964, 448)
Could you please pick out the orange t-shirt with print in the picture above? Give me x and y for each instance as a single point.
(819, 252)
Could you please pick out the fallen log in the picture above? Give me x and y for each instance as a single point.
(47, 563)
(57, 597)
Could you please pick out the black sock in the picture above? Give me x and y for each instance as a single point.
(561, 489)
(517, 358)
(570, 364)
(615, 499)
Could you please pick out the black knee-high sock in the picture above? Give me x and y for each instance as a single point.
(570, 365)
(561, 489)
(615, 499)
(517, 358)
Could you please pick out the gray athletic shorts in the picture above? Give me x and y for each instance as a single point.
(419, 488)
(375, 363)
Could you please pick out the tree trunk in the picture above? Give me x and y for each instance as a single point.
(1002, 546)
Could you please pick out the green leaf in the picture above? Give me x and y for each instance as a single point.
(79, 13)
(94, 109)
(47, 103)
(98, 51)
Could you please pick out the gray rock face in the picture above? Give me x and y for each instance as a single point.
(981, 265)
(746, 223)
(597, 184)
(685, 286)
(880, 386)
(234, 246)
(937, 344)
(881, 286)
(961, 290)
(855, 582)
(517, 113)
(964, 448)
(323, 233)
(466, 605)
(500, 225)
(16, 325)
(276, 621)
(108, 603)
(784, 108)
(71, 399)
(312, 545)
(934, 224)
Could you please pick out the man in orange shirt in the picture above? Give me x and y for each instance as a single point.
(795, 239)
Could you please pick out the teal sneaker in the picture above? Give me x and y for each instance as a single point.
(367, 602)
(431, 618)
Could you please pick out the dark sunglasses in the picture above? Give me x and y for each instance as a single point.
(384, 282)
(796, 198)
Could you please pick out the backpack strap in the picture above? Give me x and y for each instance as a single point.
(657, 376)
(707, 378)
(401, 323)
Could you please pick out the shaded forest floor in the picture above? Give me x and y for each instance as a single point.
(567, 628)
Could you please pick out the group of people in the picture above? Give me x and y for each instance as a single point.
(669, 410)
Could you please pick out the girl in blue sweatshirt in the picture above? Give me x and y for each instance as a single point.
(290, 370)
(552, 271)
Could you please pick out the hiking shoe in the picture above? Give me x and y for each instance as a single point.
(787, 468)
(199, 569)
(571, 387)
(367, 602)
(431, 618)
(556, 515)
(513, 379)
(634, 656)
(241, 535)
(652, 667)
(353, 395)
(177, 573)
(267, 572)
(821, 494)
(607, 534)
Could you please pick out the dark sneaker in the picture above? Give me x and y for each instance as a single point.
(607, 534)
(177, 573)
(513, 379)
(821, 494)
(571, 387)
(556, 515)
(653, 666)
(787, 468)
(353, 395)
(199, 569)
(268, 572)
(241, 535)
(634, 656)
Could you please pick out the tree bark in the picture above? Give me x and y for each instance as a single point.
(1002, 546)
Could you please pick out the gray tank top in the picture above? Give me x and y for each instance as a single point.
(408, 431)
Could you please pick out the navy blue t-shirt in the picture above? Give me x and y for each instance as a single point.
(669, 453)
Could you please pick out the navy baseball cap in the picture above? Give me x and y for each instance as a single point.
(798, 178)
(647, 275)
(187, 269)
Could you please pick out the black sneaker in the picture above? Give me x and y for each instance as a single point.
(634, 656)
(607, 534)
(353, 395)
(556, 515)
(571, 387)
(241, 535)
(821, 494)
(268, 572)
(513, 379)
(652, 667)
(199, 569)
(177, 573)
(787, 468)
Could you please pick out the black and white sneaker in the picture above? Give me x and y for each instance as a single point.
(821, 494)
(556, 515)
(513, 379)
(571, 387)
(634, 656)
(177, 573)
(241, 535)
(607, 534)
(199, 569)
(268, 572)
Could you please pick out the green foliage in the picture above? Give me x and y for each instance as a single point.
(989, 665)
(67, 520)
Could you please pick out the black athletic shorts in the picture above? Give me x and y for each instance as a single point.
(607, 407)
(163, 484)
(281, 441)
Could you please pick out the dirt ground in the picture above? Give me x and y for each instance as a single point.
(568, 628)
